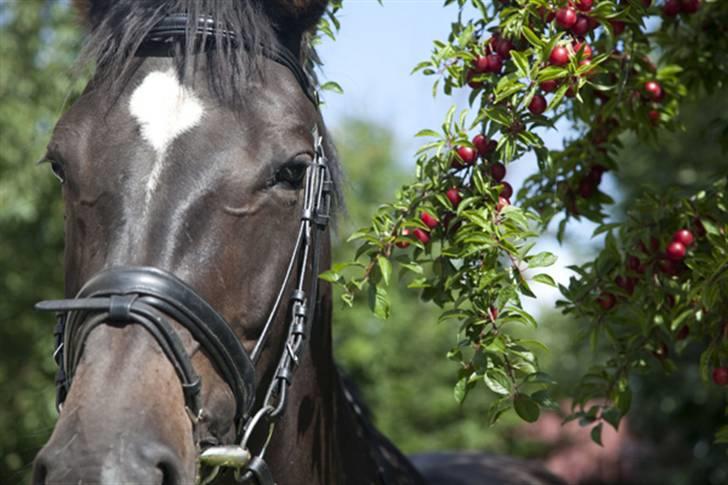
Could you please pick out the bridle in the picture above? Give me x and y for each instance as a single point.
(150, 296)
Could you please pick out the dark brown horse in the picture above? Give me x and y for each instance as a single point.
(195, 184)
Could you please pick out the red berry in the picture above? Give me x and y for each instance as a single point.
(403, 244)
(671, 8)
(617, 26)
(654, 116)
(675, 251)
(607, 300)
(495, 63)
(627, 284)
(429, 220)
(481, 64)
(699, 227)
(581, 26)
(668, 267)
(469, 78)
(506, 191)
(504, 47)
(566, 17)
(559, 56)
(453, 195)
(583, 48)
(720, 376)
(493, 313)
(689, 6)
(537, 105)
(502, 202)
(482, 144)
(654, 91)
(684, 236)
(466, 156)
(549, 86)
(683, 333)
(588, 71)
(498, 171)
(422, 235)
(584, 5)
(634, 264)
(587, 188)
(646, 3)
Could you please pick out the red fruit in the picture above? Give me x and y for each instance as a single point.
(559, 56)
(634, 264)
(584, 48)
(675, 251)
(429, 220)
(504, 47)
(537, 105)
(482, 144)
(654, 91)
(699, 227)
(453, 195)
(587, 188)
(627, 284)
(668, 267)
(549, 86)
(683, 333)
(661, 352)
(646, 3)
(570, 91)
(684, 236)
(720, 376)
(498, 171)
(506, 191)
(502, 202)
(588, 71)
(565, 17)
(422, 235)
(581, 26)
(584, 5)
(481, 64)
(469, 78)
(493, 313)
(607, 300)
(403, 244)
(617, 26)
(595, 174)
(689, 6)
(671, 8)
(495, 63)
(654, 116)
(466, 156)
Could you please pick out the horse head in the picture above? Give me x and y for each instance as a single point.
(195, 179)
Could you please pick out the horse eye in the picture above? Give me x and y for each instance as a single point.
(291, 174)
(58, 171)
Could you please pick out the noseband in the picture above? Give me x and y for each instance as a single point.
(150, 297)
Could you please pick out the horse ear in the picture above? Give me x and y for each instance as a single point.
(298, 15)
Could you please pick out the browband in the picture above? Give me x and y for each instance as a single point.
(177, 27)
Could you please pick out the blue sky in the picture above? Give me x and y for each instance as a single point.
(372, 59)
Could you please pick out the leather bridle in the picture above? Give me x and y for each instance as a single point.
(150, 297)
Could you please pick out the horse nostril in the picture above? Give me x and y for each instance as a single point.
(169, 474)
(40, 470)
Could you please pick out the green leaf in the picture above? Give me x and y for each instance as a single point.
(526, 408)
(596, 434)
(460, 390)
(532, 38)
(386, 268)
(332, 86)
(331, 276)
(427, 132)
(545, 279)
(541, 259)
(378, 301)
(497, 381)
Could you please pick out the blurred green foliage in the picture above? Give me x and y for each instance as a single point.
(399, 364)
(38, 43)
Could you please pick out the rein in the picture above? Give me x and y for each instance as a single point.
(150, 296)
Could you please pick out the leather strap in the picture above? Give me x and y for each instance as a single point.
(178, 27)
(145, 296)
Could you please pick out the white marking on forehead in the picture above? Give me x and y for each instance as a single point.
(164, 109)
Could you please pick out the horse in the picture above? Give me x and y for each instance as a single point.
(194, 340)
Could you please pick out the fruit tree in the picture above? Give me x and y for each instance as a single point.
(464, 240)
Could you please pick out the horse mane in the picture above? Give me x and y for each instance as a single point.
(117, 29)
